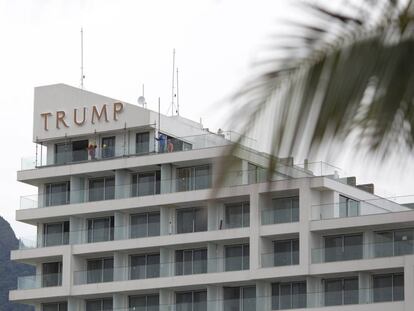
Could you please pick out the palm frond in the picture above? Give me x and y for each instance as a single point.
(345, 74)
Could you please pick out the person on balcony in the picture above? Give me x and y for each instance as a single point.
(162, 138)
(92, 151)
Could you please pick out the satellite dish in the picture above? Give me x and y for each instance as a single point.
(141, 101)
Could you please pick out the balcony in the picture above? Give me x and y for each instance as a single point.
(363, 251)
(82, 151)
(39, 281)
(159, 270)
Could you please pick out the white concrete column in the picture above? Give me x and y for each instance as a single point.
(120, 301)
(67, 272)
(408, 283)
(167, 220)
(255, 241)
(305, 245)
(78, 233)
(121, 226)
(167, 262)
(166, 178)
(263, 295)
(364, 283)
(122, 184)
(121, 271)
(75, 304)
(245, 172)
(314, 290)
(214, 298)
(78, 268)
(213, 217)
(167, 299)
(37, 306)
(39, 235)
(77, 189)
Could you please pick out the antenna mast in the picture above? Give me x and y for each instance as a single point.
(178, 102)
(81, 68)
(173, 86)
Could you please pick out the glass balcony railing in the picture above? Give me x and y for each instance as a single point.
(363, 251)
(39, 281)
(153, 146)
(159, 270)
(280, 259)
(374, 206)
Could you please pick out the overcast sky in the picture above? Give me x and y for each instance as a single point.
(128, 43)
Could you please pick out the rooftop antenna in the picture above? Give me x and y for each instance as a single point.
(173, 85)
(81, 68)
(178, 102)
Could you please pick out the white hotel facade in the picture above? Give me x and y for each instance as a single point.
(127, 220)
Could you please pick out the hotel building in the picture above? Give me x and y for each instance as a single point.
(133, 212)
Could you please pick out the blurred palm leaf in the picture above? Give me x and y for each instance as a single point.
(342, 74)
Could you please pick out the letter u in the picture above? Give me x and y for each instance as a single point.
(75, 119)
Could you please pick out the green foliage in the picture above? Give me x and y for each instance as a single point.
(9, 271)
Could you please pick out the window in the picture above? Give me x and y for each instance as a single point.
(286, 252)
(237, 257)
(144, 303)
(145, 266)
(100, 229)
(56, 233)
(104, 304)
(388, 287)
(142, 143)
(343, 247)
(237, 215)
(289, 295)
(52, 274)
(145, 224)
(190, 261)
(108, 147)
(240, 298)
(57, 193)
(193, 178)
(55, 306)
(191, 301)
(71, 151)
(102, 188)
(348, 207)
(283, 210)
(341, 291)
(100, 270)
(146, 183)
(192, 219)
(394, 243)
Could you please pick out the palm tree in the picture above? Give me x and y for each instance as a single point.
(345, 74)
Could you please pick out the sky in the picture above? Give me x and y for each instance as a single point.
(128, 43)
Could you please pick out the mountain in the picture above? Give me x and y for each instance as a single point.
(9, 271)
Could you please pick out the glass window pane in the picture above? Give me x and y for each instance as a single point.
(94, 271)
(286, 296)
(398, 287)
(333, 292)
(200, 301)
(108, 147)
(283, 253)
(403, 242)
(138, 268)
(246, 215)
(351, 292)
(142, 143)
(352, 247)
(299, 295)
(202, 177)
(109, 188)
(234, 215)
(146, 184)
(99, 230)
(184, 301)
(188, 262)
(231, 298)
(200, 261)
(295, 209)
(234, 259)
(246, 257)
(382, 288)
(333, 248)
(275, 296)
(179, 257)
(283, 210)
(184, 180)
(153, 266)
(384, 244)
(96, 189)
(200, 219)
(249, 298)
(138, 225)
(108, 272)
(107, 304)
(53, 234)
(154, 224)
(185, 221)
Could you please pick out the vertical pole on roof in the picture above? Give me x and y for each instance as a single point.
(172, 87)
(159, 115)
(178, 102)
(81, 68)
